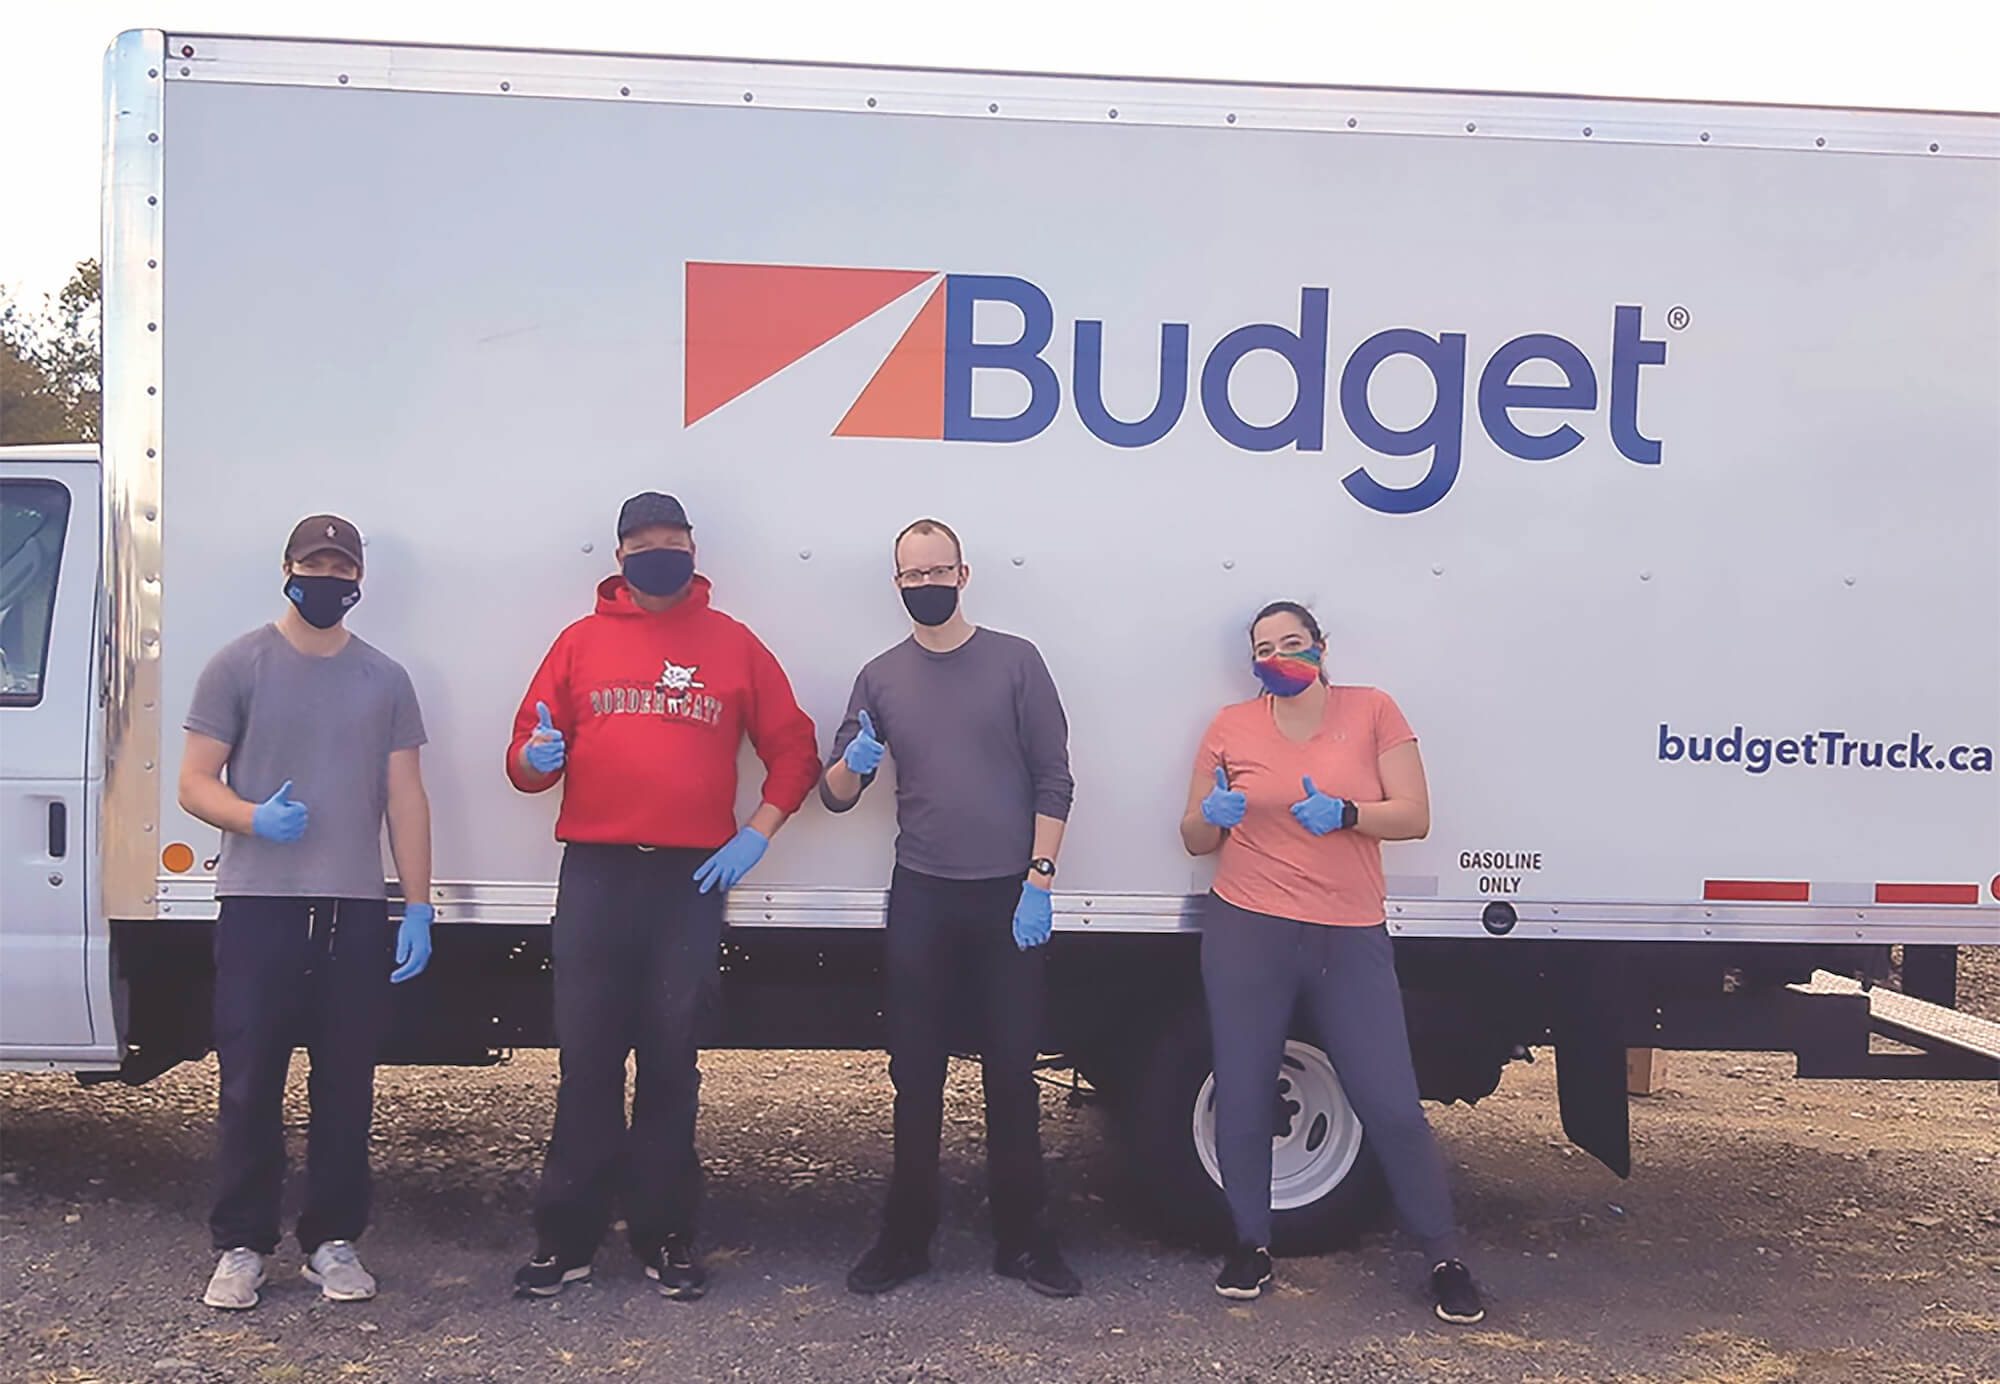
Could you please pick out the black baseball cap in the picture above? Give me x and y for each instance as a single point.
(650, 509)
(324, 533)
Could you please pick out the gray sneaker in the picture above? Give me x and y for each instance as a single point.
(337, 1269)
(238, 1275)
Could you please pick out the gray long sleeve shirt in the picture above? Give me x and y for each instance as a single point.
(981, 747)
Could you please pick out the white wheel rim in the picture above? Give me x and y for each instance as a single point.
(1317, 1151)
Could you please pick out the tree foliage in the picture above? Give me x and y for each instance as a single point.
(51, 363)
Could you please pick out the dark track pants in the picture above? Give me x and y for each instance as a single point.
(951, 954)
(636, 948)
(1255, 969)
(292, 972)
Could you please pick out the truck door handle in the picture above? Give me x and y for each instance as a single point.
(58, 830)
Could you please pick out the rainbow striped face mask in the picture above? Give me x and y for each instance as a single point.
(1288, 674)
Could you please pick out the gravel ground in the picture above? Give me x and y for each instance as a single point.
(1775, 1230)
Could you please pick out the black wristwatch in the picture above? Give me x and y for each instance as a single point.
(1350, 814)
(1042, 865)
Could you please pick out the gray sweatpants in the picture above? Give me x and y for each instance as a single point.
(1256, 969)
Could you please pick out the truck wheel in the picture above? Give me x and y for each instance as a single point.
(1325, 1185)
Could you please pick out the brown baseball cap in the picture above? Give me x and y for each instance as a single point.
(324, 533)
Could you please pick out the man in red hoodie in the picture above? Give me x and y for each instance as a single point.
(639, 710)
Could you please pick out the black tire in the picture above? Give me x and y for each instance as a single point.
(1179, 1198)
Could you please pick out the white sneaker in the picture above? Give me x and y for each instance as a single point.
(238, 1275)
(337, 1269)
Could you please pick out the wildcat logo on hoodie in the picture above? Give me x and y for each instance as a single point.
(674, 695)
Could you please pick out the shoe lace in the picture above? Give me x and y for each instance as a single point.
(340, 1252)
(241, 1260)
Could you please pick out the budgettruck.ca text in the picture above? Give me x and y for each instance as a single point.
(1826, 749)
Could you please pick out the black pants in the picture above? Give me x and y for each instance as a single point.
(292, 972)
(952, 958)
(636, 952)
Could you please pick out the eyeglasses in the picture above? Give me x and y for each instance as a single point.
(928, 576)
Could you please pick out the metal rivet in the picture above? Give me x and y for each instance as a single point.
(1849, 580)
(152, 72)
(747, 96)
(186, 71)
(1020, 561)
(149, 766)
(151, 452)
(993, 108)
(1228, 564)
(590, 547)
(56, 880)
(149, 826)
(506, 86)
(1231, 117)
(1352, 122)
(1114, 112)
(151, 514)
(1704, 136)
(152, 326)
(343, 79)
(624, 91)
(1934, 148)
(152, 389)
(187, 50)
(152, 201)
(1470, 127)
(805, 554)
(152, 264)
(1587, 132)
(1437, 570)
(1645, 576)
(871, 103)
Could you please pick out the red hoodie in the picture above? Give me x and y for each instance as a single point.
(653, 706)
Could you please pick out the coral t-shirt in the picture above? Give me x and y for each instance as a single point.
(1271, 864)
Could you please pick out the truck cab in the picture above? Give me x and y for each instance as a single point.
(53, 941)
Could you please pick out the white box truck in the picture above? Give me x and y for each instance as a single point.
(1648, 453)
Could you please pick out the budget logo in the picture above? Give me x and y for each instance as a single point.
(747, 322)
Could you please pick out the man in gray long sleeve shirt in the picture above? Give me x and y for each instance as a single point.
(982, 794)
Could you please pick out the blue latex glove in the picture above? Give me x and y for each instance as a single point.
(278, 818)
(413, 942)
(1034, 916)
(1318, 813)
(546, 752)
(735, 860)
(1225, 806)
(864, 751)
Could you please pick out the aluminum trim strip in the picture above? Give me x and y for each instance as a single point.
(193, 898)
(134, 334)
(743, 84)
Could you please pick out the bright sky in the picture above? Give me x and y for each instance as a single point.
(1934, 54)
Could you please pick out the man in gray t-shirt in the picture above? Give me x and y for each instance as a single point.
(301, 740)
(973, 722)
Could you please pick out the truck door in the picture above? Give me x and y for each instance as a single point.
(48, 584)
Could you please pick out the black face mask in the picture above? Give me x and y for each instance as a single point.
(930, 605)
(322, 602)
(659, 571)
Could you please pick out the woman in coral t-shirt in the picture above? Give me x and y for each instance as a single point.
(1297, 790)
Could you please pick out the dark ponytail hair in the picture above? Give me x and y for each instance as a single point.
(1305, 617)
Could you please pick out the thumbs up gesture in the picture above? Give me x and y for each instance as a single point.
(545, 751)
(278, 818)
(865, 750)
(1320, 814)
(1225, 806)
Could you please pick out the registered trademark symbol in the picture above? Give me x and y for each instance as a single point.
(1677, 318)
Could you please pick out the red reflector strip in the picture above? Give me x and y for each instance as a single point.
(1756, 891)
(1927, 893)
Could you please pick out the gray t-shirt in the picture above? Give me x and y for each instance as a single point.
(981, 747)
(327, 724)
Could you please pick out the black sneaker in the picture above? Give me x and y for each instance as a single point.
(1457, 1298)
(677, 1270)
(887, 1265)
(1040, 1266)
(547, 1274)
(1244, 1273)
